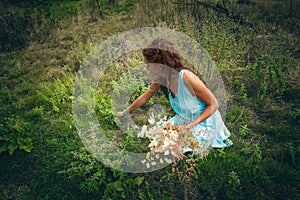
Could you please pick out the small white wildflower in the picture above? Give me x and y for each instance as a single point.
(148, 155)
(167, 143)
(153, 143)
(151, 120)
(166, 153)
(168, 160)
(164, 132)
(161, 161)
(143, 161)
(147, 165)
(160, 150)
(157, 156)
(174, 135)
(143, 131)
(153, 163)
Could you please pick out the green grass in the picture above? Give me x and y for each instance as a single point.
(259, 69)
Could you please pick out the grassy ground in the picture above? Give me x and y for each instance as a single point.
(260, 69)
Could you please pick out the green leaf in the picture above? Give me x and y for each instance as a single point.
(139, 180)
(118, 186)
(123, 195)
(12, 147)
(51, 141)
(3, 148)
(5, 138)
(26, 145)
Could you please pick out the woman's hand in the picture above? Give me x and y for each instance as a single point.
(124, 113)
(187, 126)
(141, 100)
(120, 114)
(190, 125)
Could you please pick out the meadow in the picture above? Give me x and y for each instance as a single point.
(254, 44)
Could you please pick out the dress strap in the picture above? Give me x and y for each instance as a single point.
(181, 74)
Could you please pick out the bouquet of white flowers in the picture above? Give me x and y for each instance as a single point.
(168, 143)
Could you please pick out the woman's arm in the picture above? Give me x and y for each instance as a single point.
(141, 100)
(197, 87)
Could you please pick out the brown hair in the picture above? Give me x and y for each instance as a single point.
(164, 52)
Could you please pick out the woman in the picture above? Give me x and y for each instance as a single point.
(194, 104)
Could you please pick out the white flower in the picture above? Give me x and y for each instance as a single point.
(168, 160)
(159, 150)
(167, 153)
(174, 135)
(151, 120)
(153, 143)
(147, 165)
(148, 155)
(164, 132)
(174, 143)
(153, 163)
(143, 131)
(167, 143)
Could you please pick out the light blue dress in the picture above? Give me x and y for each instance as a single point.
(211, 132)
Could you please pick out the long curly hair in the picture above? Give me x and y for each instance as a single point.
(164, 52)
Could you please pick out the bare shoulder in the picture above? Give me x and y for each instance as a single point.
(198, 88)
(191, 77)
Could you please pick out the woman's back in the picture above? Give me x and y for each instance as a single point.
(210, 132)
(186, 105)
